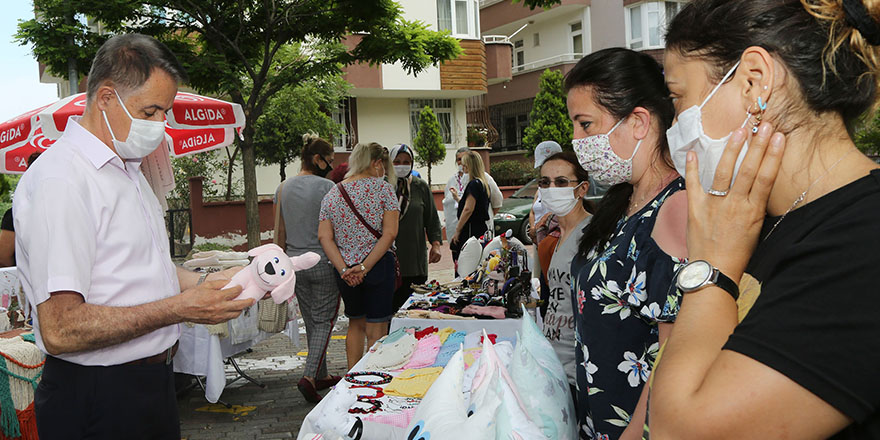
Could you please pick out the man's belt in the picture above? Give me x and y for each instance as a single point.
(163, 357)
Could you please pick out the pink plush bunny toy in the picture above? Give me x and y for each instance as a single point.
(271, 269)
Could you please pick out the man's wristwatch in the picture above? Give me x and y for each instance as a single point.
(699, 274)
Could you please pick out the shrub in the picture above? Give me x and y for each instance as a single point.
(511, 172)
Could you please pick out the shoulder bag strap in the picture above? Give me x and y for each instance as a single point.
(357, 214)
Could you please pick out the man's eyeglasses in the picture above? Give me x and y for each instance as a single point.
(559, 182)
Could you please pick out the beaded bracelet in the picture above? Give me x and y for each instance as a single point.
(379, 392)
(386, 378)
(377, 405)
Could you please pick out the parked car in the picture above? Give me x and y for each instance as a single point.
(514, 213)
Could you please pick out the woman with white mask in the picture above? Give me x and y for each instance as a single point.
(623, 300)
(418, 221)
(562, 187)
(777, 334)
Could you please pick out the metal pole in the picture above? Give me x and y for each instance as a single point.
(72, 75)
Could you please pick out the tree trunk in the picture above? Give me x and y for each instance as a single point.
(249, 166)
(283, 165)
(429, 175)
(231, 167)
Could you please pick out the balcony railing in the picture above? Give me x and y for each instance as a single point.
(489, 39)
(558, 59)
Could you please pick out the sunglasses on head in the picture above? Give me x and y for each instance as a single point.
(559, 182)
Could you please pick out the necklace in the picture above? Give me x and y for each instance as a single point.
(636, 203)
(803, 195)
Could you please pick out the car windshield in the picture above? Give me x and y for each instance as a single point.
(526, 192)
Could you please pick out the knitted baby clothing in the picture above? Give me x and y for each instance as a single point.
(445, 333)
(413, 383)
(393, 355)
(425, 352)
(449, 348)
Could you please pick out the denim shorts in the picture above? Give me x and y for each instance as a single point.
(372, 298)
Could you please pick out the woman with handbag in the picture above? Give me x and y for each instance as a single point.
(358, 225)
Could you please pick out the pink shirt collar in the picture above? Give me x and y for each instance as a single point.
(93, 149)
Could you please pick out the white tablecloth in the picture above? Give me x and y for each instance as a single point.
(504, 328)
(201, 354)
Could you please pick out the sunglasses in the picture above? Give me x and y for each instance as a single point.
(559, 182)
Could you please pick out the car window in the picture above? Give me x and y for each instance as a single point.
(527, 191)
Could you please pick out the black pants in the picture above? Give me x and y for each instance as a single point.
(402, 294)
(118, 402)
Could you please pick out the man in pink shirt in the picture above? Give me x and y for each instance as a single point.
(94, 260)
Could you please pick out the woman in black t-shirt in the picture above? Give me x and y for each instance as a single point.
(797, 228)
(473, 207)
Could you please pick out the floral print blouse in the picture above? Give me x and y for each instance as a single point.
(372, 197)
(620, 295)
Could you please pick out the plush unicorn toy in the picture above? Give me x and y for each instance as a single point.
(271, 269)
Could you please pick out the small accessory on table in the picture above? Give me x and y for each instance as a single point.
(379, 392)
(385, 377)
(377, 405)
(699, 274)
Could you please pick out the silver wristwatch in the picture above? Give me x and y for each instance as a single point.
(699, 274)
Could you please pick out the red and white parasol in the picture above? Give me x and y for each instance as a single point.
(195, 124)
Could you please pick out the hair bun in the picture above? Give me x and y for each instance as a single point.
(858, 17)
(310, 137)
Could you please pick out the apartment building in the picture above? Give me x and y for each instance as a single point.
(556, 39)
(385, 101)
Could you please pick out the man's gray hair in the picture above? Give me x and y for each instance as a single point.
(127, 62)
(462, 150)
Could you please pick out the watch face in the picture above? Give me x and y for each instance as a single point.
(694, 275)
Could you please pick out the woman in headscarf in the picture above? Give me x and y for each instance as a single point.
(418, 220)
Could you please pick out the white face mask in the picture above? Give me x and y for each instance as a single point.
(403, 170)
(143, 136)
(460, 170)
(687, 134)
(604, 165)
(559, 201)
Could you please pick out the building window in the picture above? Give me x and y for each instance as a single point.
(536, 39)
(646, 22)
(442, 109)
(344, 116)
(459, 17)
(519, 55)
(576, 30)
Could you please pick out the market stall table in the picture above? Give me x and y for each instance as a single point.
(202, 354)
(392, 406)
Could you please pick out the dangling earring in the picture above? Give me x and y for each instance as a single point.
(760, 106)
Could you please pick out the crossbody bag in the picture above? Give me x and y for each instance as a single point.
(398, 280)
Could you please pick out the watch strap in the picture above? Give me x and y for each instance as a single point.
(724, 282)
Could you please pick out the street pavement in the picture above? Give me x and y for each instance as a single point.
(276, 411)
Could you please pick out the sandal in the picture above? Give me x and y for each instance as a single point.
(323, 384)
(308, 391)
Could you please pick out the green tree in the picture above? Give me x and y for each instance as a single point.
(229, 47)
(428, 143)
(295, 111)
(549, 120)
(867, 137)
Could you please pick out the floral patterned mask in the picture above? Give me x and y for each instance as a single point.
(597, 157)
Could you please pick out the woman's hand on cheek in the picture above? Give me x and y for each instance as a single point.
(723, 230)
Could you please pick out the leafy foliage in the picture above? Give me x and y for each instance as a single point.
(512, 172)
(532, 4)
(549, 120)
(293, 112)
(230, 47)
(867, 137)
(428, 143)
(204, 165)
